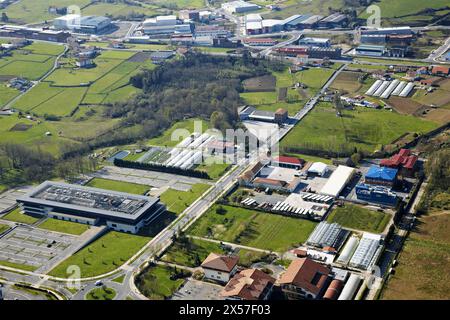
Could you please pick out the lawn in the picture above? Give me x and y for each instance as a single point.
(359, 218)
(177, 201)
(214, 170)
(363, 128)
(17, 265)
(422, 271)
(104, 255)
(156, 283)
(252, 228)
(3, 228)
(103, 293)
(398, 8)
(29, 11)
(17, 216)
(7, 94)
(64, 226)
(120, 186)
(185, 128)
(192, 252)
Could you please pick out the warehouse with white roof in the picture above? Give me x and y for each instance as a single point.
(337, 181)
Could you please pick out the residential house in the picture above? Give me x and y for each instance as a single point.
(249, 284)
(219, 267)
(305, 279)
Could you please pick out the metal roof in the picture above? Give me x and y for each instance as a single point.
(382, 173)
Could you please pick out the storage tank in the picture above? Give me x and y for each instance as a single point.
(350, 287)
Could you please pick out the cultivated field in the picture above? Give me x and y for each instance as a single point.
(252, 228)
(422, 272)
(365, 129)
(359, 218)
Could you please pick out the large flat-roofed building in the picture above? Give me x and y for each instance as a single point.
(83, 24)
(239, 6)
(120, 211)
(337, 181)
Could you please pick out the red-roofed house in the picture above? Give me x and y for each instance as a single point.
(440, 70)
(249, 284)
(288, 162)
(219, 267)
(304, 279)
(404, 160)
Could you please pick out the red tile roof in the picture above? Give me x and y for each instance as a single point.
(272, 182)
(402, 159)
(220, 263)
(306, 274)
(290, 160)
(440, 69)
(249, 284)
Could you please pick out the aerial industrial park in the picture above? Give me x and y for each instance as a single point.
(224, 150)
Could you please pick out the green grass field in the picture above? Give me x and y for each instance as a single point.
(423, 264)
(101, 294)
(398, 8)
(104, 255)
(185, 127)
(363, 128)
(120, 186)
(17, 216)
(17, 265)
(177, 201)
(214, 170)
(3, 227)
(64, 226)
(359, 218)
(156, 284)
(252, 228)
(7, 94)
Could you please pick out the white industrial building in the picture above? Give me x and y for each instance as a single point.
(350, 288)
(318, 168)
(338, 180)
(239, 7)
(165, 26)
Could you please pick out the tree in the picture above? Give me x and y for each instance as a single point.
(4, 17)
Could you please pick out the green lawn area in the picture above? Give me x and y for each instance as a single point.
(359, 218)
(104, 255)
(28, 11)
(7, 94)
(155, 282)
(120, 186)
(185, 127)
(191, 252)
(3, 227)
(17, 265)
(119, 279)
(423, 264)
(17, 216)
(397, 8)
(101, 294)
(177, 201)
(214, 170)
(252, 228)
(64, 226)
(363, 128)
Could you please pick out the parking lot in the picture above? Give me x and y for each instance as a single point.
(149, 178)
(8, 198)
(33, 247)
(198, 290)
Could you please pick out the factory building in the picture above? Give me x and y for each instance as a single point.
(211, 31)
(315, 42)
(239, 6)
(337, 181)
(193, 15)
(82, 24)
(404, 160)
(11, 31)
(119, 211)
(382, 176)
(376, 194)
(165, 26)
(288, 162)
(370, 50)
(336, 20)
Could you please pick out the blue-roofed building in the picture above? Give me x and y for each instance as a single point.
(376, 194)
(447, 56)
(381, 176)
